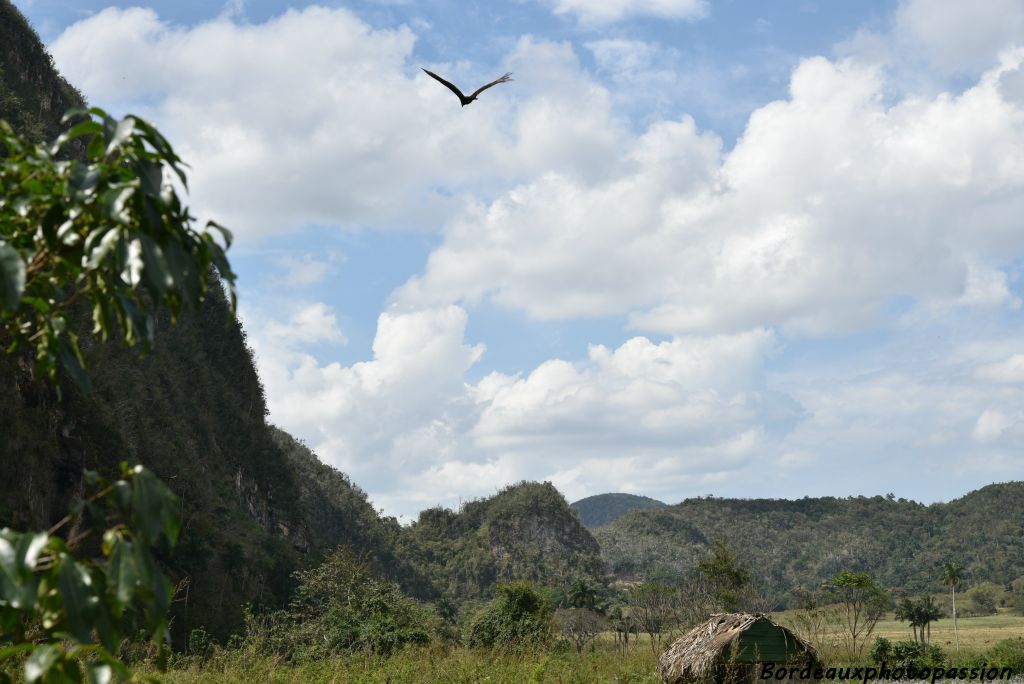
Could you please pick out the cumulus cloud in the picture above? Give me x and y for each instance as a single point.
(1010, 370)
(991, 425)
(316, 117)
(960, 37)
(831, 203)
(412, 431)
(596, 12)
(836, 200)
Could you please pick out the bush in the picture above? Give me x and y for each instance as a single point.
(881, 650)
(200, 643)
(912, 653)
(520, 617)
(1007, 653)
(342, 607)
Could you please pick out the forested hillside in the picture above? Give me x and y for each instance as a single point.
(798, 544)
(192, 410)
(526, 531)
(602, 509)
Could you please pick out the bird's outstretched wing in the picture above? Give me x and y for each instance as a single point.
(504, 79)
(450, 86)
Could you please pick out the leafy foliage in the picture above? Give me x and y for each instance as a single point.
(525, 532)
(905, 654)
(76, 608)
(861, 603)
(519, 618)
(341, 606)
(797, 545)
(104, 230)
(919, 614)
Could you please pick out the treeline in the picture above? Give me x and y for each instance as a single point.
(796, 545)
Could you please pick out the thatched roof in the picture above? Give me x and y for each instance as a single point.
(695, 656)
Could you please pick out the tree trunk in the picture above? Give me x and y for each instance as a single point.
(956, 634)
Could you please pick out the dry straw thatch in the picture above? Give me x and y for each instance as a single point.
(707, 653)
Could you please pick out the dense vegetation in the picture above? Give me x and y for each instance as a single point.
(796, 545)
(526, 531)
(603, 509)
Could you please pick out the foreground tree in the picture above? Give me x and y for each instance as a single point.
(109, 231)
(580, 625)
(861, 603)
(652, 607)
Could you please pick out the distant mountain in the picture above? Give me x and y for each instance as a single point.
(602, 509)
(794, 545)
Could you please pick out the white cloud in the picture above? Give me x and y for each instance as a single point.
(957, 36)
(409, 428)
(1009, 371)
(310, 324)
(992, 423)
(830, 204)
(316, 117)
(596, 12)
(835, 201)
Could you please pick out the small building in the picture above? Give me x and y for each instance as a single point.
(732, 647)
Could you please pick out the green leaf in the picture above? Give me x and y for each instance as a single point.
(78, 130)
(16, 649)
(124, 572)
(80, 601)
(155, 507)
(12, 277)
(155, 271)
(70, 357)
(99, 673)
(106, 243)
(39, 663)
(124, 129)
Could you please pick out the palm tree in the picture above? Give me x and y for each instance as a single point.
(906, 612)
(952, 574)
(927, 613)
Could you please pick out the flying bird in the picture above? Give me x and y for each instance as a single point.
(463, 98)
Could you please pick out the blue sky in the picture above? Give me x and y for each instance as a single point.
(740, 248)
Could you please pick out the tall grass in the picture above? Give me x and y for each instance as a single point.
(431, 664)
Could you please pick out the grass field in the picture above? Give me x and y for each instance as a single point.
(601, 662)
(434, 665)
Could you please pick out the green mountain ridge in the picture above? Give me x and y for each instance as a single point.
(602, 509)
(794, 545)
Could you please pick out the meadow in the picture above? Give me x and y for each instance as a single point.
(601, 661)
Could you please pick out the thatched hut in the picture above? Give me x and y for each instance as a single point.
(730, 647)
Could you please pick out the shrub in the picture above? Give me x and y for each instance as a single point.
(905, 653)
(1007, 653)
(881, 650)
(520, 617)
(341, 607)
(200, 643)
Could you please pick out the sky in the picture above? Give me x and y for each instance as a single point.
(695, 247)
